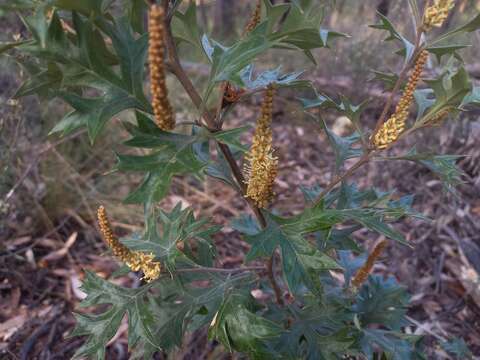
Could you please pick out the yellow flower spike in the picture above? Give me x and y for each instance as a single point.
(135, 260)
(261, 167)
(366, 269)
(254, 19)
(164, 117)
(436, 14)
(395, 125)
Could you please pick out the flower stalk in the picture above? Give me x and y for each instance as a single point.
(164, 117)
(437, 13)
(366, 269)
(261, 167)
(391, 129)
(135, 260)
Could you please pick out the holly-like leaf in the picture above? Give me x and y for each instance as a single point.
(274, 76)
(136, 10)
(385, 24)
(232, 138)
(238, 328)
(395, 345)
(227, 62)
(443, 166)
(342, 146)
(440, 51)
(185, 27)
(300, 261)
(388, 79)
(173, 154)
(449, 90)
(425, 99)
(318, 331)
(178, 228)
(383, 302)
(301, 29)
(102, 327)
(132, 54)
(469, 27)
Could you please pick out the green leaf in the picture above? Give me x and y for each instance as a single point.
(173, 154)
(228, 62)
(43, 83)
(387, 78)
(342, 146)
(274, 76)
(176, 226)
(240, 329)
(385, 24)
(301, 29)
(300, 261)
(318, 331)
(102, 327)
(469, 27)
(95, 112)
(232, 138)
(383, 302)
(274, 13)
(132, 55)
(220, 170)
(391, 342)
(440, 51)
(136, 14)
(425, 99)
(450, 88)
(443, 166)
(185, 27)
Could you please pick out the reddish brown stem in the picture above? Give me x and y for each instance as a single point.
(213, 125)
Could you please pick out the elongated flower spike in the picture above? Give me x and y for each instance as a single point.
(395, 125)
(164, 117)
(254, 18)
(366, 269)
(135, 260)
(436, 14)
(261, 167)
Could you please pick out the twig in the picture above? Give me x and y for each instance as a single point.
(212, 125)
(370, 152)
(362, 161)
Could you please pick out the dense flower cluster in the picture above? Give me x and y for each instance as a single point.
(161, 106)
(366, 269)
(135, 260)
(436, 14)
(262, 164)
(255, 18)
(394, 126)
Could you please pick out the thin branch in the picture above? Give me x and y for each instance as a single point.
(362, 161)
(370, 152)
(213, 124)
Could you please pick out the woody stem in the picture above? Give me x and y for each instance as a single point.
(211, 122)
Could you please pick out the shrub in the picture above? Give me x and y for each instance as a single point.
(326, 304)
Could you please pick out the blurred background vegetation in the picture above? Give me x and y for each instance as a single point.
(51, 186)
